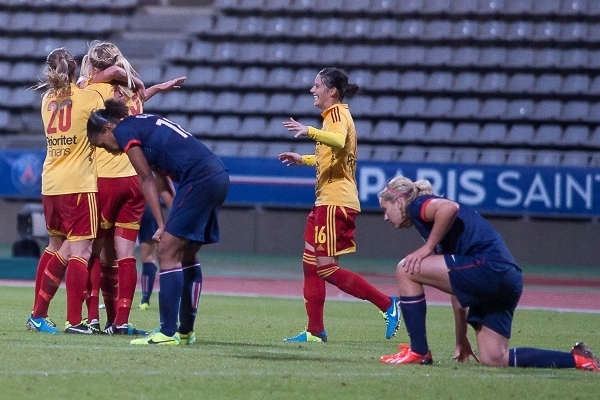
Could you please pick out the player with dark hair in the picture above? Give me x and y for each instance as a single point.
(154, 142)
(120, 200)
(69, 188)
(466, 257)
(330, 225)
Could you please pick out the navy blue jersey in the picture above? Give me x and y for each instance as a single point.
(469, 235)
(168, 147)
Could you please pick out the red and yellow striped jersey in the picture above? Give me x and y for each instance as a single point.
(336, 167)
(70, 164)
(110, 165)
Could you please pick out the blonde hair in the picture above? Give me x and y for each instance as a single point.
(401, 186)
(102, 55)
(59, 71)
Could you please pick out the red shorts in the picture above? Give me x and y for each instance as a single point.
(74, 216)
(330, 230)
(121, 204)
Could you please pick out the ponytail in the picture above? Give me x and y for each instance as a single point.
(114, 112)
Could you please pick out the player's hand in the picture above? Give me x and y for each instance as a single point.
(172, 84)
(158, 234)
(464, 352)
(295, 126)
(290, 159)
(412, 262)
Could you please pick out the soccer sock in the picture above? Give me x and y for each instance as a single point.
(53, 276)
(39, 274)
(169, 296)
(93, 289)
(108, 284)
(354, 284)
(539, 358)
(190, 297)
(127, 276)
(314, 293)
(147, 280)
(414, 312)
(77, 277)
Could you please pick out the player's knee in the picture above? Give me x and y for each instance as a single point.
(493, 357)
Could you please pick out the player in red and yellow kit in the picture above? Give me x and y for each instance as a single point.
(331, 223)
(69, 190)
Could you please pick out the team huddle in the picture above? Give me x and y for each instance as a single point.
(107, 162)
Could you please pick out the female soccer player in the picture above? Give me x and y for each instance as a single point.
(149, 140)
(120, 200)
(69, 188)
(464, 256)
(148, 227)
(330, 226)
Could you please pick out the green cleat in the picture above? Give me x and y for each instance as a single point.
(186, 338)
(143, 306)
(157, 338)
(308, 337)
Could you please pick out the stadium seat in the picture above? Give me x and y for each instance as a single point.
(305, 51)
(225, 26)
(438, 56)
(493, 133)
(546, 31)
(519, 157)
(200, 101)
(303, 104)
(226, 148)
(174, 100)
(151, 74)
(385, 29)
(467, 81)
(412, 154)
(547, 158)
(465, 56)
(279, 78)
(412, 106)
(391, 55)
(250, 26)
(363, 128)
(493, 82)
(199, 50)
(521, 83)
(519, 31)
(24, 98)
(594, 114)
(466, 155)
(226, 125)
(520, 57)
(364, 79)
(439, 155)
(412, 80)
(386, 130)
(50, 23)
(304, 78)
(252, 53)
(547, 135)
(357, 28)
(465, 30)
(546, 7)
(252, 149)
(252, 127)
(361, 105)
(493, 108)
(334, 54)
(439, 81)
(575, 135)
(466, 107)
(274, 149)
(384, 6)
(439, 107)
(304, 27)
(492, 57)
(435, 30)
(23, 72)
(518, 7)
(332, 27)
(253, 77)
(519, 134)
(22, 22)
(253, 102)
(226, 51)
(201, 125)
(547, 83)
(280, 103)
(493, 157)
(360, 54)
(547, 58)
(413, 131)
(277, 27)
(575, 110)
(575, 84)
(492, 30)
(385, 80)
(574, 58)
(227, 76)
(200, 76)
(465, 133)
(547, 110)
(385, 153)
(440, 132)
(388, 106)
(580, 159)
(519, 109)
(573, 32)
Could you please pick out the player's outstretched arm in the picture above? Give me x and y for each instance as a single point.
(165, 86)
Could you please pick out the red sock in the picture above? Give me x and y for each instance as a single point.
(127, 271)
(108, 284)
(53, 276)
(314, 293)
(354, 284)
(93, 289)
(77, 277)
(39, 274)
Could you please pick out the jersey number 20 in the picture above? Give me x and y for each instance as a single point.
(60, 120)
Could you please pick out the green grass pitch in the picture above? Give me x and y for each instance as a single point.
(240, 355)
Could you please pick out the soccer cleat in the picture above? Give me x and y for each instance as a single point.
(41, 325)
(392, 318)
(80, 329)
(124, 330)
(186, 338)
(584, 358)
(306, 336)
(95, 325)
(157, 338)
(143, 306)
(407, 356)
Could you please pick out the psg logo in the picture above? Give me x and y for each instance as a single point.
(26, 175)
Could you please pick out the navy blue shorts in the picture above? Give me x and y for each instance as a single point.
(148, 226)
(490, 289)
(195, 211)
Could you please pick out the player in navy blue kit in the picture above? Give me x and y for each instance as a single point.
(148, 226)
(156, 144)
(466, 257)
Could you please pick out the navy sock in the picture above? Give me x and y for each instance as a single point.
(169, 296)
(148, 276)
(190, 297)
(414, 312)
(539, 358)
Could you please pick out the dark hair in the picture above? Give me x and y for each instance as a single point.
(114, 112)
(336, 78)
